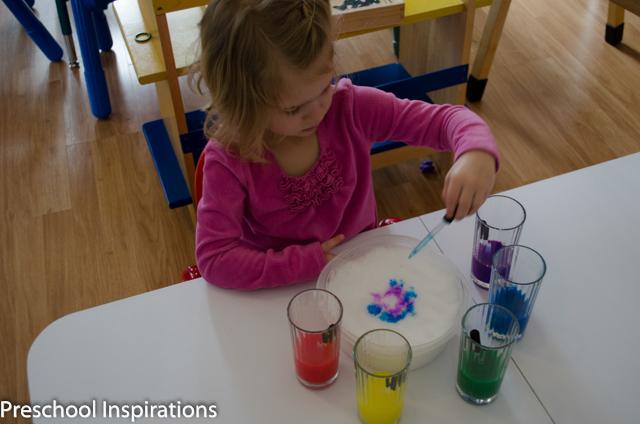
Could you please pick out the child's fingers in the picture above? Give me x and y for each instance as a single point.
(466, 196)
(445, 189)
(451, 196)
(478, 200)
(332, 242)
(465, 203)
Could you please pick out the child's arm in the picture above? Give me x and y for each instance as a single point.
(222, 258)
(382, 116)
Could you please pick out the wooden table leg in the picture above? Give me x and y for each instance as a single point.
(487, 49)
(437, 44)
(615, 24)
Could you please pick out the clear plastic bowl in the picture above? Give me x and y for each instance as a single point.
(422, 353)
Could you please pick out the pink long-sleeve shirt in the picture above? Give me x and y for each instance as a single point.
(258, 227)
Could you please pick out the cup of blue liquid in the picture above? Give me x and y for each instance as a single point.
(499, 222)
(516, 277)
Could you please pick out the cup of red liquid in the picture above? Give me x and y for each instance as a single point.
(314, 320)
(499, 222)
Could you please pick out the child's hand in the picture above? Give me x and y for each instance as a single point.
(330, 244)
(469, 183)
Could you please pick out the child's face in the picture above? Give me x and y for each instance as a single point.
(306, 100)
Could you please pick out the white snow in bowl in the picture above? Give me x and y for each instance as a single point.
(423, 298)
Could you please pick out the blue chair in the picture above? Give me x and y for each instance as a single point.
(93, 36)
(34, 28)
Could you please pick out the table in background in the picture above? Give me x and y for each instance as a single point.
(580, 350)
(201, 344)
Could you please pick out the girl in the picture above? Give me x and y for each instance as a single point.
(287, 174)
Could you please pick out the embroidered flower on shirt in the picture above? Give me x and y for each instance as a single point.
(315, 187)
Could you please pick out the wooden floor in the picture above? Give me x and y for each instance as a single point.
(83, 220)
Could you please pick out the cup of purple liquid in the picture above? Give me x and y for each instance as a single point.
(516, 277)
(499, 222)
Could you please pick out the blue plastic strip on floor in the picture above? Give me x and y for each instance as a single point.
(175, 188)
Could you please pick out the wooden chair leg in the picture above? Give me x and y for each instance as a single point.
(615, 24)
(487, 49)
(172, 109)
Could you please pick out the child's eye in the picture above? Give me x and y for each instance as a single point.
(292, 111)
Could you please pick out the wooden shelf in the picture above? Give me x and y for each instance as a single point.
(422, 10)
(372, 17)
(135, 16)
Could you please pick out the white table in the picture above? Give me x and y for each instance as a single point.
(580, 352)
(200, 344)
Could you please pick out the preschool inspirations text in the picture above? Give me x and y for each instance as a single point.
(93, 410)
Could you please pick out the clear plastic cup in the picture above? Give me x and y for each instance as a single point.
(488, 335)
(382, 359)
(314, 321)
(499, 222)
(516, 278)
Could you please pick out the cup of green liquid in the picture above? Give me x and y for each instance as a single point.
(382, 359)
(489, 332)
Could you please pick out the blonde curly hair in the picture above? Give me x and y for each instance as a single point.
(246, 47)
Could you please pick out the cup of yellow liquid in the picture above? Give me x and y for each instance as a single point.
(382, 359)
